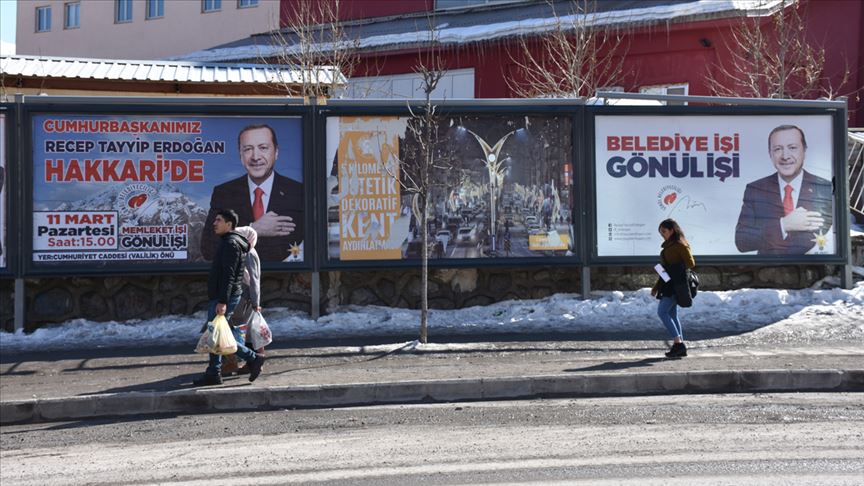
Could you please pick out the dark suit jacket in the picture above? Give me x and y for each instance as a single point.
(286, 199)
(759, 222)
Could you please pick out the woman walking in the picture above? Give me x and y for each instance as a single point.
(251, 299)
(676, 258)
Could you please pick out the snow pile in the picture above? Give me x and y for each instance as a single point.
(779, 312)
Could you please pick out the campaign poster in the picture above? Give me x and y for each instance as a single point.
(146, 189)
(3, 191)
(500, 187)
(737, 185)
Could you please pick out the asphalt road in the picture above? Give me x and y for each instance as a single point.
(811, 439)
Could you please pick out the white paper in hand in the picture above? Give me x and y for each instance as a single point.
(662, 272)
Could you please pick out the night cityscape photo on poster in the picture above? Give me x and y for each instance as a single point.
(145, 188)
(502, 188)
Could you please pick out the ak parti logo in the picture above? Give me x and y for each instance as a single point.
(667, 195)
(137, 201)
(134, 198)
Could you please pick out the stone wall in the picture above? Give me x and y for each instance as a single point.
(54, 300)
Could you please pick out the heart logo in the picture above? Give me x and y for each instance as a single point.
(137, 201)
(670, 198)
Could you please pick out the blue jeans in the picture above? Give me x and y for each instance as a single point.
(668, 312)
(215, 365)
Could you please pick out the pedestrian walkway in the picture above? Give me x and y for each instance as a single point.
(84, 384)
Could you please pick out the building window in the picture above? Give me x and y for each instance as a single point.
(211, 5)
(247, 3)
(667, 89)
(447, 4)
(43, 19)
(124, 11)
(73, 15)
(155, 9)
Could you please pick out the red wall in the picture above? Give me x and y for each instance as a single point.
(654, 56)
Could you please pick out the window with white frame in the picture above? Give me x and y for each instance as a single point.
(610, 89)
(457, 83)
(123, 11)
(155, 9)
(247, 3)
(43, 19)
(447, 4)
(72, 15)
(211, 5)
(667, 89)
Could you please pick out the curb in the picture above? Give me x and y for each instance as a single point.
(195, 401)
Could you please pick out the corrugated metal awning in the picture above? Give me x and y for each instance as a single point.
(166, 71)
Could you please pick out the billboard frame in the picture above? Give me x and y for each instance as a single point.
(13, 239)
(570, 108)
(123, 106)
(838, 165)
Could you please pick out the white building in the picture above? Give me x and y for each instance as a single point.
(137, 29)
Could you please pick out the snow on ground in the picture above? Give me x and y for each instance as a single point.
(818, 314)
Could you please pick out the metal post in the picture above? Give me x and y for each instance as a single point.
(20, 302)
(586, 282)
(316, 295)
(846, 280)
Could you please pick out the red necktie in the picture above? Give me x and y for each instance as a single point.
(788, 205)
(258, 205)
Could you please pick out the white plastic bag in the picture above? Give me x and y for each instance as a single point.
(221, 338)
(259, 331)
(202, 346)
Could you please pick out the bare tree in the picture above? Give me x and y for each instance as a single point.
(423, 158)
(773, 60)
(417, 169)
(315, 40)
(572, 60)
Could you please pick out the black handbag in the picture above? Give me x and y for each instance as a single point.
(693, 283)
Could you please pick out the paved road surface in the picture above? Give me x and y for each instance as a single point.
(813, 439)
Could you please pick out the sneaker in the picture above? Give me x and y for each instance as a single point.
(679, 350)
(255, 367)
(207, 380)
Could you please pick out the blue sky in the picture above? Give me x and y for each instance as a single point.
(7, 21)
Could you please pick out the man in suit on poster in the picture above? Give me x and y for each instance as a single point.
(788, 212)
(270, 203)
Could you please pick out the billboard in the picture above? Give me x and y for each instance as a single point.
(737, 185)
(4, 249)
(143, 189)
(501, 187)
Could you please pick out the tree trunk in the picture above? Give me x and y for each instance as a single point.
(424, 272)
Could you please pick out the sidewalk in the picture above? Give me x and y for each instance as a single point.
(78, 385)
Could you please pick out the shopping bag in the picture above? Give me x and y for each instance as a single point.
(259, 331)
(221, 338)
(202, 346)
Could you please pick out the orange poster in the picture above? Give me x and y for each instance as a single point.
(369, 193)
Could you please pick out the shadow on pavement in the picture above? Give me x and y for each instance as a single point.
(175, 383)
(154, 351)
(618, 365)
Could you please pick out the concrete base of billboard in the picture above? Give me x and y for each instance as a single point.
(120, 298)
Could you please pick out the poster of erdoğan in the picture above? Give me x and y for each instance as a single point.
(139, 188)
(756, 184)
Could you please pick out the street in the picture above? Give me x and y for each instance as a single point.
(713, 439)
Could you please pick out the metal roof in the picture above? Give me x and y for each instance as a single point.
(486, 23)
(165, 71)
